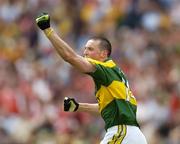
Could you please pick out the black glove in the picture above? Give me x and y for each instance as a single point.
(70, 104)
(43, 21)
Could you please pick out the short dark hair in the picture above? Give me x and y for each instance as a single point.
(104, 43)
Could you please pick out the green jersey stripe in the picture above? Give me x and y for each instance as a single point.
(116, 101)
(119, 112)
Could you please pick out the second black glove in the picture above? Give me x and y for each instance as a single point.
(70, 104)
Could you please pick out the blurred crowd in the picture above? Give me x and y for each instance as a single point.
(145, 35)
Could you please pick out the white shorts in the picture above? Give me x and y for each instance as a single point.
(124, 134)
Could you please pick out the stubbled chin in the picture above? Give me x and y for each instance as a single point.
(89, 57)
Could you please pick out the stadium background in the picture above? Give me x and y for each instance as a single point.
(145, 36)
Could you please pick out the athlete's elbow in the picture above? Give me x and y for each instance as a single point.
(68, 58)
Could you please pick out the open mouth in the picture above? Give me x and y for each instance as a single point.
(86, 56)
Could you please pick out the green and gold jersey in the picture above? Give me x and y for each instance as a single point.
(117, 104)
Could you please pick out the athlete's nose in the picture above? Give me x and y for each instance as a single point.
(85, 53)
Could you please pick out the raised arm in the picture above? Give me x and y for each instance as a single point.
(62, 48)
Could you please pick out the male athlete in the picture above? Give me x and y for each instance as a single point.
(116, 103)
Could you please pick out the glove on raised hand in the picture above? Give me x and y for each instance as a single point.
(70, 104)
(43, 21)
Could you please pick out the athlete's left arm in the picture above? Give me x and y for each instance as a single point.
(63, 49)
(68, 54)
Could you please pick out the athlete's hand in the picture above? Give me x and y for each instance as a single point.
(43, 21)
(70, 104)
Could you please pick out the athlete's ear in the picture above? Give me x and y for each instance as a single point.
(104, 54)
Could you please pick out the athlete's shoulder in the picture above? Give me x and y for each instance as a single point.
(107, 63)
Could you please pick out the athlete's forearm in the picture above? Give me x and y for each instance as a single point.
(63, 49)
(67, 53)
(91, 108)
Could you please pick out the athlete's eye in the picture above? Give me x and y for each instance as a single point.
(89, 48)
